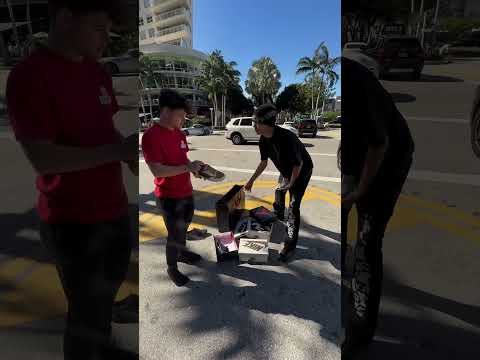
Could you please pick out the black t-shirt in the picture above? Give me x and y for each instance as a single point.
(286, 151)
(370, 118)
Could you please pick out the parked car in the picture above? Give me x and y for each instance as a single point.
(322, 123)
(337, 123)
(307, 127)
(398, 52)
(198, 129)
(128, 63)
(241, 130)
(289, 126)
(475, 124)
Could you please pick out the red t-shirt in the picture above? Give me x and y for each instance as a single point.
(68, 103)
(168, 147)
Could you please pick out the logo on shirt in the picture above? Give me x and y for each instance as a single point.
(104, 97)
(183, 146)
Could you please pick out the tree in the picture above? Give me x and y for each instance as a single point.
(263, 80)
(292, 99)
(238, 103)
(216, 77)
(320, 74)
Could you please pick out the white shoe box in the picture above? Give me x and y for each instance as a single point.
(253, 250)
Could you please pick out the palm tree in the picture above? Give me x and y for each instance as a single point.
(320, 64)
(263, 80)
(216, 77)
(14, 24)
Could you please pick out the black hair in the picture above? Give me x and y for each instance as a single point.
(266, 114)
(115, 9)
(173, 100)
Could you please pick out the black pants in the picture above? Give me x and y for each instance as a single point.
(374, 212)
(92, 262)
(177, 214)
(293, 219)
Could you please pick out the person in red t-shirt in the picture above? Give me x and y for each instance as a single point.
(165, 149)
(61, 106)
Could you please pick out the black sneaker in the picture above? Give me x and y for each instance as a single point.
(177, 277)
(286, 254)
(188, 257)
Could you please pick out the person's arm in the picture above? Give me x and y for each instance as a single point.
(295, 173)
(259, 171)
(164, 171)
(373, 161)
(48, 158)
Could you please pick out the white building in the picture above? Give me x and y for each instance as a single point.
(166, 22)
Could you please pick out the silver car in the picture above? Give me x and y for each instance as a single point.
(198, 129)
(241, 130)
(126, 64)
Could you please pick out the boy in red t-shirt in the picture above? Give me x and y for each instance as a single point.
(61, 106)
(165, 150)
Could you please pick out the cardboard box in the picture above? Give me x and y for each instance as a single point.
(253, 250)
(226, 246)
(230, 208)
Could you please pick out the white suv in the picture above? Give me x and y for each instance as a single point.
(241, 130)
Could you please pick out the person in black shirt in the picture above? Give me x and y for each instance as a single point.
(295, 165)
(375, 157)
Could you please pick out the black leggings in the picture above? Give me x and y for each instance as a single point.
(177, 214)
(92, 262)
(374, 212)
(296, 195)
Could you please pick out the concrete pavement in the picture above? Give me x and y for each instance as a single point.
(244, 311)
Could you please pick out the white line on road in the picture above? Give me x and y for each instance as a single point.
(438, 119)
(255, 151)
(270, 173)
(458, 179)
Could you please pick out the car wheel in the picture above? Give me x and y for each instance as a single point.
(112, 68)
(237, 139)
(475, 134)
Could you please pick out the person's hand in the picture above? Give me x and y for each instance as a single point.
(129, 148)
(284, 187)
(195, 167)
(249, 185)
(350, 199)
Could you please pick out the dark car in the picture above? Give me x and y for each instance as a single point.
(475, 124)
(306, 127)
(398, 52)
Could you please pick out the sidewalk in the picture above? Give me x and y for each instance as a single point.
(228, 310)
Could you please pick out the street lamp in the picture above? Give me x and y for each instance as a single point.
(211, 116)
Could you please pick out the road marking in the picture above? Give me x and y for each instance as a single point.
(254, 151)
(270, 173)
(439, 119)
(451, 178)
(153, 227)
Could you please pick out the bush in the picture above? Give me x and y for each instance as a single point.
(331, 115)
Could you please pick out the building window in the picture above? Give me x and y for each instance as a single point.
(141, 21)
(149, 19)
(151, 33)
(143, 35)
(146, 3)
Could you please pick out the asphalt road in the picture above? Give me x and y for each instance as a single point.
(431, 301)
(234, 311)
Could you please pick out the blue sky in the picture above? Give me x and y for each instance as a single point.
(285, 30)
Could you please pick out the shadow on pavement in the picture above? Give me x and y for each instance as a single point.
(403, 98)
